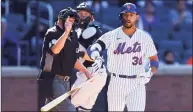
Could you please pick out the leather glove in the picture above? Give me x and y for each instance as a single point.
(145, 77)
(97, 64)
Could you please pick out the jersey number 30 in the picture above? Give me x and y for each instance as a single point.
(137, 60)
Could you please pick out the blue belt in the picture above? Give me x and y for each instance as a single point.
(125, 76)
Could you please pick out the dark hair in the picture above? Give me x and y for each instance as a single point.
(167, 52)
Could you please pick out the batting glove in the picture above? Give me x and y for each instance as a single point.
(145, 77)
(102, 70)
(97, 64)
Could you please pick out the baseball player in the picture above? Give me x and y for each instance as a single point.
(85, 98)
(127, 47)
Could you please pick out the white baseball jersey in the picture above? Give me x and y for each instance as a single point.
(126, 54)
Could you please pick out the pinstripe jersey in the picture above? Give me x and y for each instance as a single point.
(125, 54)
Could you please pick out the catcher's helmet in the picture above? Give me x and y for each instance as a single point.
(63, 14)
(85, 6)
(128, 7)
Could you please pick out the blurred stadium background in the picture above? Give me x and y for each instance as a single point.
(169, 22)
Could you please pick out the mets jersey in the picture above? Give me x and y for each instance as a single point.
(126, 54)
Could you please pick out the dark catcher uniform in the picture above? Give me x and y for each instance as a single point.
(101, 101)
(89, 40)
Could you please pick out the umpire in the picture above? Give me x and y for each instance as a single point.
(59, 57)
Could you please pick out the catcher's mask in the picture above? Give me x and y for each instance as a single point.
(84, 6)
(63, 15)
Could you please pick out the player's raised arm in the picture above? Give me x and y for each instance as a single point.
(62, 40)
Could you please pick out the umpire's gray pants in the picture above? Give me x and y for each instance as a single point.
(59, 88)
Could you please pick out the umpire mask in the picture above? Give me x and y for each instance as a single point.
(63, 14)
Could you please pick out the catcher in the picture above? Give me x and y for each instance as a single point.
(85, 98)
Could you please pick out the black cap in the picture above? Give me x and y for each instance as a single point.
(63, 14)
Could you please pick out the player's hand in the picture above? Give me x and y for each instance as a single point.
(97, 64)
(145, 77)
(68, 25)
(88, 75)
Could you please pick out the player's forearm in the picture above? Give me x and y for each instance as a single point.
(153, 70)
(79, 66)
(86, 57)
(95, 50)
(154, 63)
(56, 48)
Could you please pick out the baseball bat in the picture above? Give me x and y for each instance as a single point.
(58, 100)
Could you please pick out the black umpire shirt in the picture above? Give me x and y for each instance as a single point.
(63, 63)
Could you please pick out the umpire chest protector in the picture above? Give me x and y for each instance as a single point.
(88, 37)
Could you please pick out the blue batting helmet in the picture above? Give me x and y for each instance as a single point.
(128, 7)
